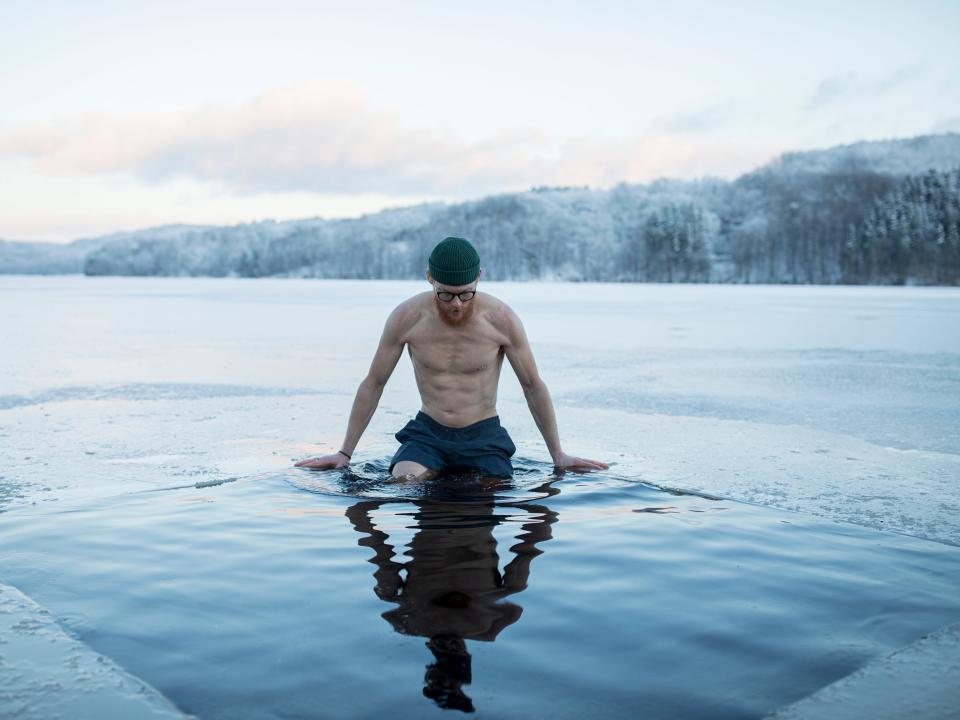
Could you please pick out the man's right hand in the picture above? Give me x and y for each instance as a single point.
(327, 462)
(577, 464)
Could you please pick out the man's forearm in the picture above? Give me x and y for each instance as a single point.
(541, 407)
(364, 405)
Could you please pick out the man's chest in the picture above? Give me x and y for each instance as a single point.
(458, 353)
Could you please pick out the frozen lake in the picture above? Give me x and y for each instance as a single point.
(147, 428)
(840, 402)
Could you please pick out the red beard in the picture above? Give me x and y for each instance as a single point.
(450, 315)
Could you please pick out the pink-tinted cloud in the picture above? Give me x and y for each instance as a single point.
(330, 139)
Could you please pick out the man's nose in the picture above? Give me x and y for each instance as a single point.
(456, 302)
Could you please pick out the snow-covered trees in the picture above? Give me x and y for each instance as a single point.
(910, 235)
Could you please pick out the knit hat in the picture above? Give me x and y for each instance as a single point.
(454, 262)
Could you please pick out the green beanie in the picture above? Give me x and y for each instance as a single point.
(454, 262)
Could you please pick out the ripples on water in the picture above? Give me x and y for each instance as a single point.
(531, 479)
(345, 594)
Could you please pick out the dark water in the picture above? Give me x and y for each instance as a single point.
(306, 595)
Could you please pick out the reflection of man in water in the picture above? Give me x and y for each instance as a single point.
(457, 338)
(451, 589)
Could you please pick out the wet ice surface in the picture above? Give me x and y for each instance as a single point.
(45, 673)
(147, 428)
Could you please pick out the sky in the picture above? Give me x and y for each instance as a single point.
(120, 115)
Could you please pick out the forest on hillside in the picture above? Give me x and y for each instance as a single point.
(853, 227)
(883, 212)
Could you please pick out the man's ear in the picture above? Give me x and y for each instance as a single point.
(428, 276)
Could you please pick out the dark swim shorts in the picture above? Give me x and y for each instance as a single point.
(483, 446)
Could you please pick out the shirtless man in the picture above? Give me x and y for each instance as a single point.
(457, 338)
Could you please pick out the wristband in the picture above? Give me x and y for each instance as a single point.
(345, 454)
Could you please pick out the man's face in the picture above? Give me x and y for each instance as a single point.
(452, 309)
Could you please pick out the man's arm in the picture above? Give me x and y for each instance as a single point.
(520, 355)
(368, 394)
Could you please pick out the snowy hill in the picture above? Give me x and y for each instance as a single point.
(37, 258)
(889, 157)
(802, 218)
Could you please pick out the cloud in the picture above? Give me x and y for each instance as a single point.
(651, 156)
(61, 208)
(705, 119)
(849, 86)
(831, 90)
(330, 139)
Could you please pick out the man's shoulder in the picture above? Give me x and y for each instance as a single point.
(498, 312)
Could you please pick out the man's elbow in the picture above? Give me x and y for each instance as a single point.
(533, 386)
(373, 384)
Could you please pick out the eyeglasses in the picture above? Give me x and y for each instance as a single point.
(445, 296)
